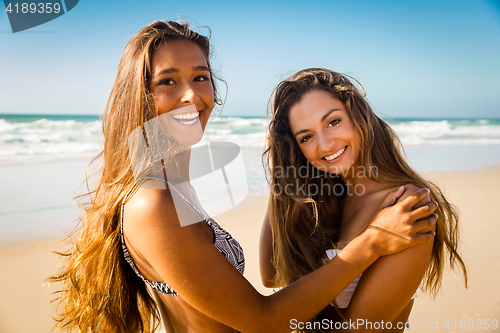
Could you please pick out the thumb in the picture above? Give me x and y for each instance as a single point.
(392, 197)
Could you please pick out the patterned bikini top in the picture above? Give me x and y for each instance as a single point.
(223, 241)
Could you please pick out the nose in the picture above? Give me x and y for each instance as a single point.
(326, 143)
(189, 96)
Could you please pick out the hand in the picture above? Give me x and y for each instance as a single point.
(397, 227)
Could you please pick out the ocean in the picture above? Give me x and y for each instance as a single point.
(26, 139)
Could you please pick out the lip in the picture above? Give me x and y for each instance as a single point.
(336, 159)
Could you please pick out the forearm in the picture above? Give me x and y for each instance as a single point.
(305, 298)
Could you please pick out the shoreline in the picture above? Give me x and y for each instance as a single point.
(29, 262)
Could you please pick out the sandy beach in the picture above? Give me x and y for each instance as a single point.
(24, 305)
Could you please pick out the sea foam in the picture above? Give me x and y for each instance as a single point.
(32, 139)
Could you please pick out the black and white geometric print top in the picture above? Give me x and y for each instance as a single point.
(223, 241)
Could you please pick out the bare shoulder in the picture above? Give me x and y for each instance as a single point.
(150, 208)
(409, 190)
(152, 229)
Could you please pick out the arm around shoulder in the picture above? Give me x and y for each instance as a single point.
(196, 270)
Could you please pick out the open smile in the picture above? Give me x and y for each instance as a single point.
(187, 116)
(187, 119)
(335, 156)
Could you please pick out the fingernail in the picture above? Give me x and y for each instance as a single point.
(428, 191)
(401, 187)
(436, 203)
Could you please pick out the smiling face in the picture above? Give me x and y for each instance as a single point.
(181, 77)
(324, 132)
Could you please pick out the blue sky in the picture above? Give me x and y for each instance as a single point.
(414, 58)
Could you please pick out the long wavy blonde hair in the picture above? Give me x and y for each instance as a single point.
(305, 225)
(100, 292)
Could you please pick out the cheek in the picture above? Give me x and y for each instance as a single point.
(356, 145)
(352, 135)
(207, 95)
(163, 105)
(307, 152)
(163, 101)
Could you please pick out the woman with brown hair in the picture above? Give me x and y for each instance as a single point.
(146, 248)
(337, 161)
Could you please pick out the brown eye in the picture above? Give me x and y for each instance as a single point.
(305, 138)
(334, 122)
(166, 82)
(201, 78)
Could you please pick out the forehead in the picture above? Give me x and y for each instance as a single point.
(308, 111)
(177, 54)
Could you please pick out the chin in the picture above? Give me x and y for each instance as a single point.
(339, 169)
(336, 170)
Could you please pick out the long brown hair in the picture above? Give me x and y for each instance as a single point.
(100, 292)
(303, 224)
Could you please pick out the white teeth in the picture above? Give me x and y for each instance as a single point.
(188, 122)
(190, 117)
(337, 154)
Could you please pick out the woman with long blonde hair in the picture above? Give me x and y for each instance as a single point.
(146, 249)
(348, 160)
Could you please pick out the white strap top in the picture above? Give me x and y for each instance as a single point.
(344, 298)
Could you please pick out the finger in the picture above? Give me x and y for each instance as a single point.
(424, 238)
(414, 198)
(425, 225)
(423, 211)
(392, 197)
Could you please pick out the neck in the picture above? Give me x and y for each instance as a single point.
(177, 167)
(358, 180)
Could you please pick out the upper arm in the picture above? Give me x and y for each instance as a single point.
(387, 286)
(267, 269)
(189, 262)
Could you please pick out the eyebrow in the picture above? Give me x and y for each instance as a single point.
(322, 120)
(175, 70)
